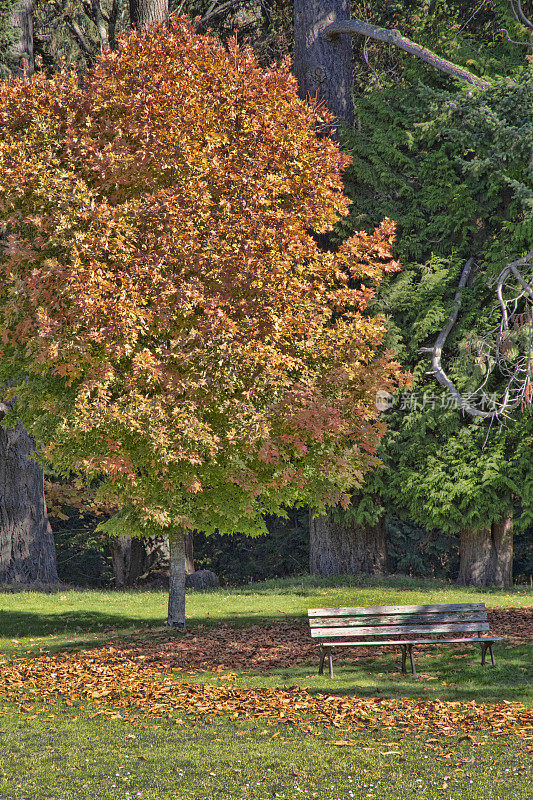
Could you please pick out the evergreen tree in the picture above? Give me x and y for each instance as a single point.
(450, 164)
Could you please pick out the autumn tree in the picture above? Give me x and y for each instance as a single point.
(167, 319)
(74, 34)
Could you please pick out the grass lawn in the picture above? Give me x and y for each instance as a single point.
(63, 752)
(76, 757)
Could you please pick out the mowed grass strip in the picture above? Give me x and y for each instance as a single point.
(66, 755)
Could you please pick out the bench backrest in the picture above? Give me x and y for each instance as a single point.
(386, 621)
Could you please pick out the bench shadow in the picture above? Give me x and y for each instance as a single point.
(510, 680)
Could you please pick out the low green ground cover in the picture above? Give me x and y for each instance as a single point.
(74, 757)
(62, 753)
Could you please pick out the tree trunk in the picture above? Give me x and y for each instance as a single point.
(176, 592)
(339, 550)
(27, 549)
(99, 21)
(135, 558)
(486, 555)
(189, 553)
(323, 68)
(22, 50)
(120, 547)
(144, 13)
(502, 534)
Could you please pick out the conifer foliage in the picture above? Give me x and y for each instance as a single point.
(167, 320)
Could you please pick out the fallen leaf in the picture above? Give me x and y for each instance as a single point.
(343, 743)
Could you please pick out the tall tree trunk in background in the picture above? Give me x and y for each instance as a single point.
(144, 13)
(323, 68)
(502, 535)
(135, 558)
(176, 593)
(347, 550)
(22, 50)
(120, 547)
(486, 555)
(27, 549)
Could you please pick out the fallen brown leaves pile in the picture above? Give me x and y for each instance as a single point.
(515, 624)
(288, 644)
(124, 677)
(255, 647)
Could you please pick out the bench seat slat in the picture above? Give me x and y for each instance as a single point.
(365, 611)
(398, 619)
(391, 643)
(395, 630)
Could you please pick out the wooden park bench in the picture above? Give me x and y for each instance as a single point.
(402, 626)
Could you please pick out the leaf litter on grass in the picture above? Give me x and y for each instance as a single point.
(136, 676)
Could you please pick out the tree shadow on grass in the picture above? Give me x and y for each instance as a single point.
(19, 623)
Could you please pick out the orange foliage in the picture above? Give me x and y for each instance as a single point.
(183, 334)
(62, 496)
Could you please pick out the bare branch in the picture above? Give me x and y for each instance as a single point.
(441, 340)
(521, 14)
(394, 37)
(507, 349)
(513, 41)
(216, 10)
(88, 9)
(82, 42)
(101, 26)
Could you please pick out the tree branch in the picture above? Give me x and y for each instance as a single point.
(80, 39)
(441, 340)
(216, 10)
(518, 374)
(101, 26)
(521, 15)
(356, 26)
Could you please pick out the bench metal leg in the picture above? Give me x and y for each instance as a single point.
(405, 648)
(322, 657)
(484, 648)
(326, 651)
(413, 668)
